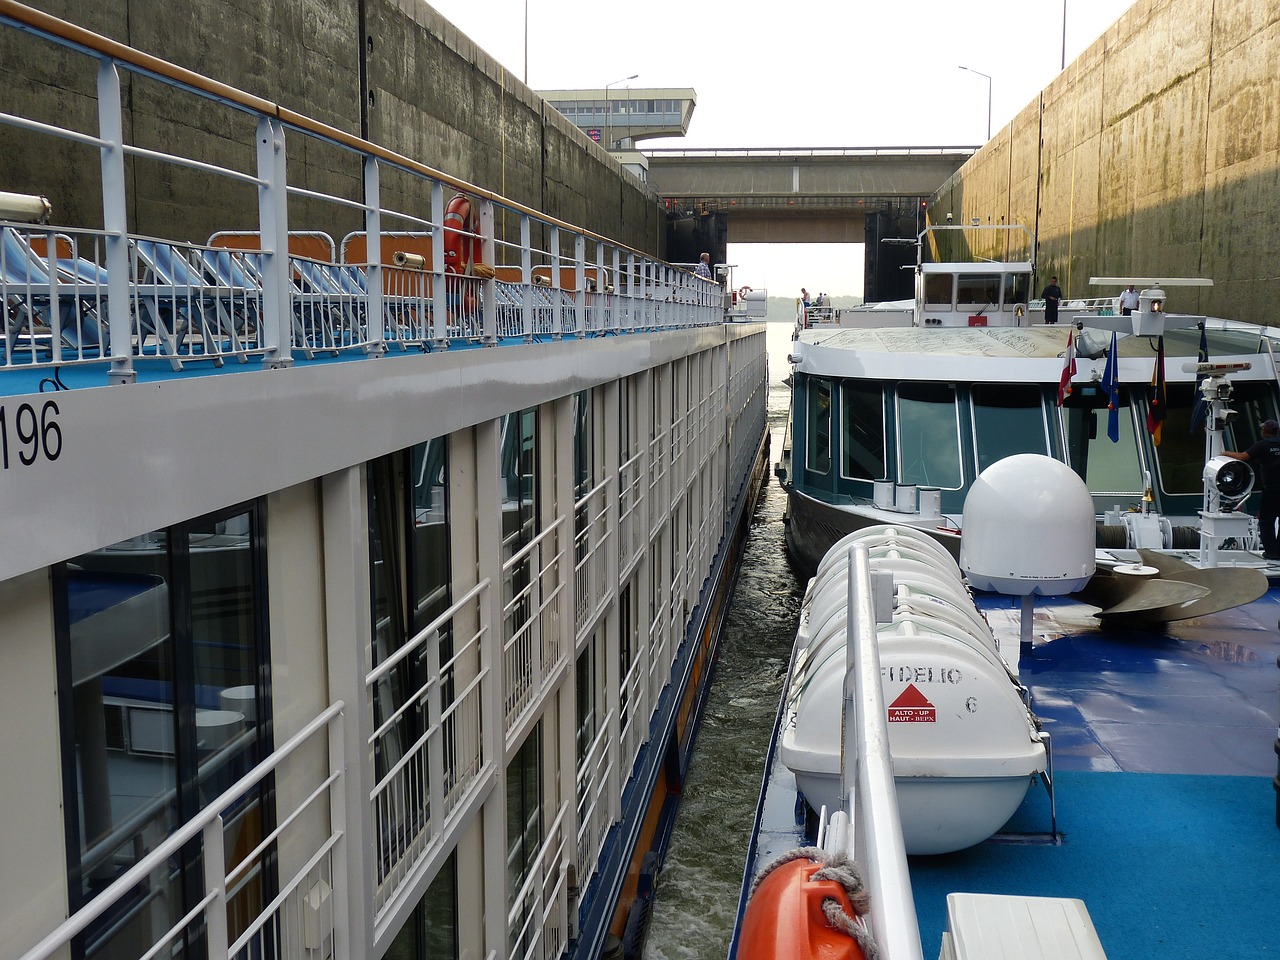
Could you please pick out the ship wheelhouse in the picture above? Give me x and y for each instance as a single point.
(856, 431)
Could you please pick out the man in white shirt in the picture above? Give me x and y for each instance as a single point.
(1128, 300)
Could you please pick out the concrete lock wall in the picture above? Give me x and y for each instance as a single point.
(392, 71)
(1156, 153)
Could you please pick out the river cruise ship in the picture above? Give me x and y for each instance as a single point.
(363, 565)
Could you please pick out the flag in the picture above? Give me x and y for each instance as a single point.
(1068, 368)
(1200, 409)
(1156, 402)
(1111, 386)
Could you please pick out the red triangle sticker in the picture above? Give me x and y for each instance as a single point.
(912, 707)
(911, 697)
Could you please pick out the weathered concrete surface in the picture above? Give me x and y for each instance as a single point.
(392, 71)
(1157, 152)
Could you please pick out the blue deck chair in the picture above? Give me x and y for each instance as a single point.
(175, 300)
(329, 303)
(238, 282)
(25, 278)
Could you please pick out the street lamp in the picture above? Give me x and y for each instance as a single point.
(608, 143)
(988, 76)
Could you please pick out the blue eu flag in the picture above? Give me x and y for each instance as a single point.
(1111, 386)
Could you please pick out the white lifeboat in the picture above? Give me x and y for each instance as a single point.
(965, 747)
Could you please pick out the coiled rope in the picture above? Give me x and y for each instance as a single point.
(839, 868)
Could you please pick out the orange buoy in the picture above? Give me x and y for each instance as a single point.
(461, 236)
(787, 919)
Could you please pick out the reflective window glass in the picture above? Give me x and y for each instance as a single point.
(162, 640)
(1017, 289)
(938, 289)
(1008, 419)
(928, 435)
(818, 422)
(978, 288)
(862, 430)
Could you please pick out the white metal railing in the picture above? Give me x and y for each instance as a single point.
(538, 921)
(421, 782)
(301, 917)
(591, 543)
(631, 493)
(875, 831)
(596, 804)
(635, 708)
(659, 477)
(532, 647)
(282, 291)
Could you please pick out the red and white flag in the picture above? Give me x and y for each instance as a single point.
(1068, 368)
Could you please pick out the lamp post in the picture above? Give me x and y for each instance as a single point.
(608, 143)
(988, 76)
(1064, 35)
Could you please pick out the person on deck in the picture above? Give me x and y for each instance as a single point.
(1052, 297)
(1264, 457)
(703, 269)
(1128, 301)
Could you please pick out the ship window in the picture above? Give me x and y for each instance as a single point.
(585, 680)
(162, 652)
(862, 430)
(524, 839)
(1112, 471)
(981, 288)
(1007, 419)
(410, 579)
(1180, 455)
(519, 469)
(1017, 289)
(938, 288)
(928, 435)
(431, 931)
(817, 455)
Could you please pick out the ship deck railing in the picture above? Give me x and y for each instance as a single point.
(369, 266)
(869, 830)
(304, 916)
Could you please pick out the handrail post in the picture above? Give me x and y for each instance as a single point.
(557, 325)
(439, 302)
(375, 316)
(215, 880)
(580, 284)
(273, 221)
(489, 297)
(526, 276)
(115, 221)
(337, 824)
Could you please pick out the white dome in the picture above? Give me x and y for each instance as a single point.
(1028, 528)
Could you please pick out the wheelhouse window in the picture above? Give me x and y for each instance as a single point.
(928, 435)
(1112, 471)
(861, 430)
(982, 288)
(163, 660)
(938, 288)
(1180, 454)
(817, 455)
(1008, 419)
(1017, 289)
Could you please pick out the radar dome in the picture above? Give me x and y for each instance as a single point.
(1028, 528)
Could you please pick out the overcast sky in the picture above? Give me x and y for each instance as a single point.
(800, 73)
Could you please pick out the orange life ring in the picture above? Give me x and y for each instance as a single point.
(462, 243)
(785, 918)
(742, 293)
